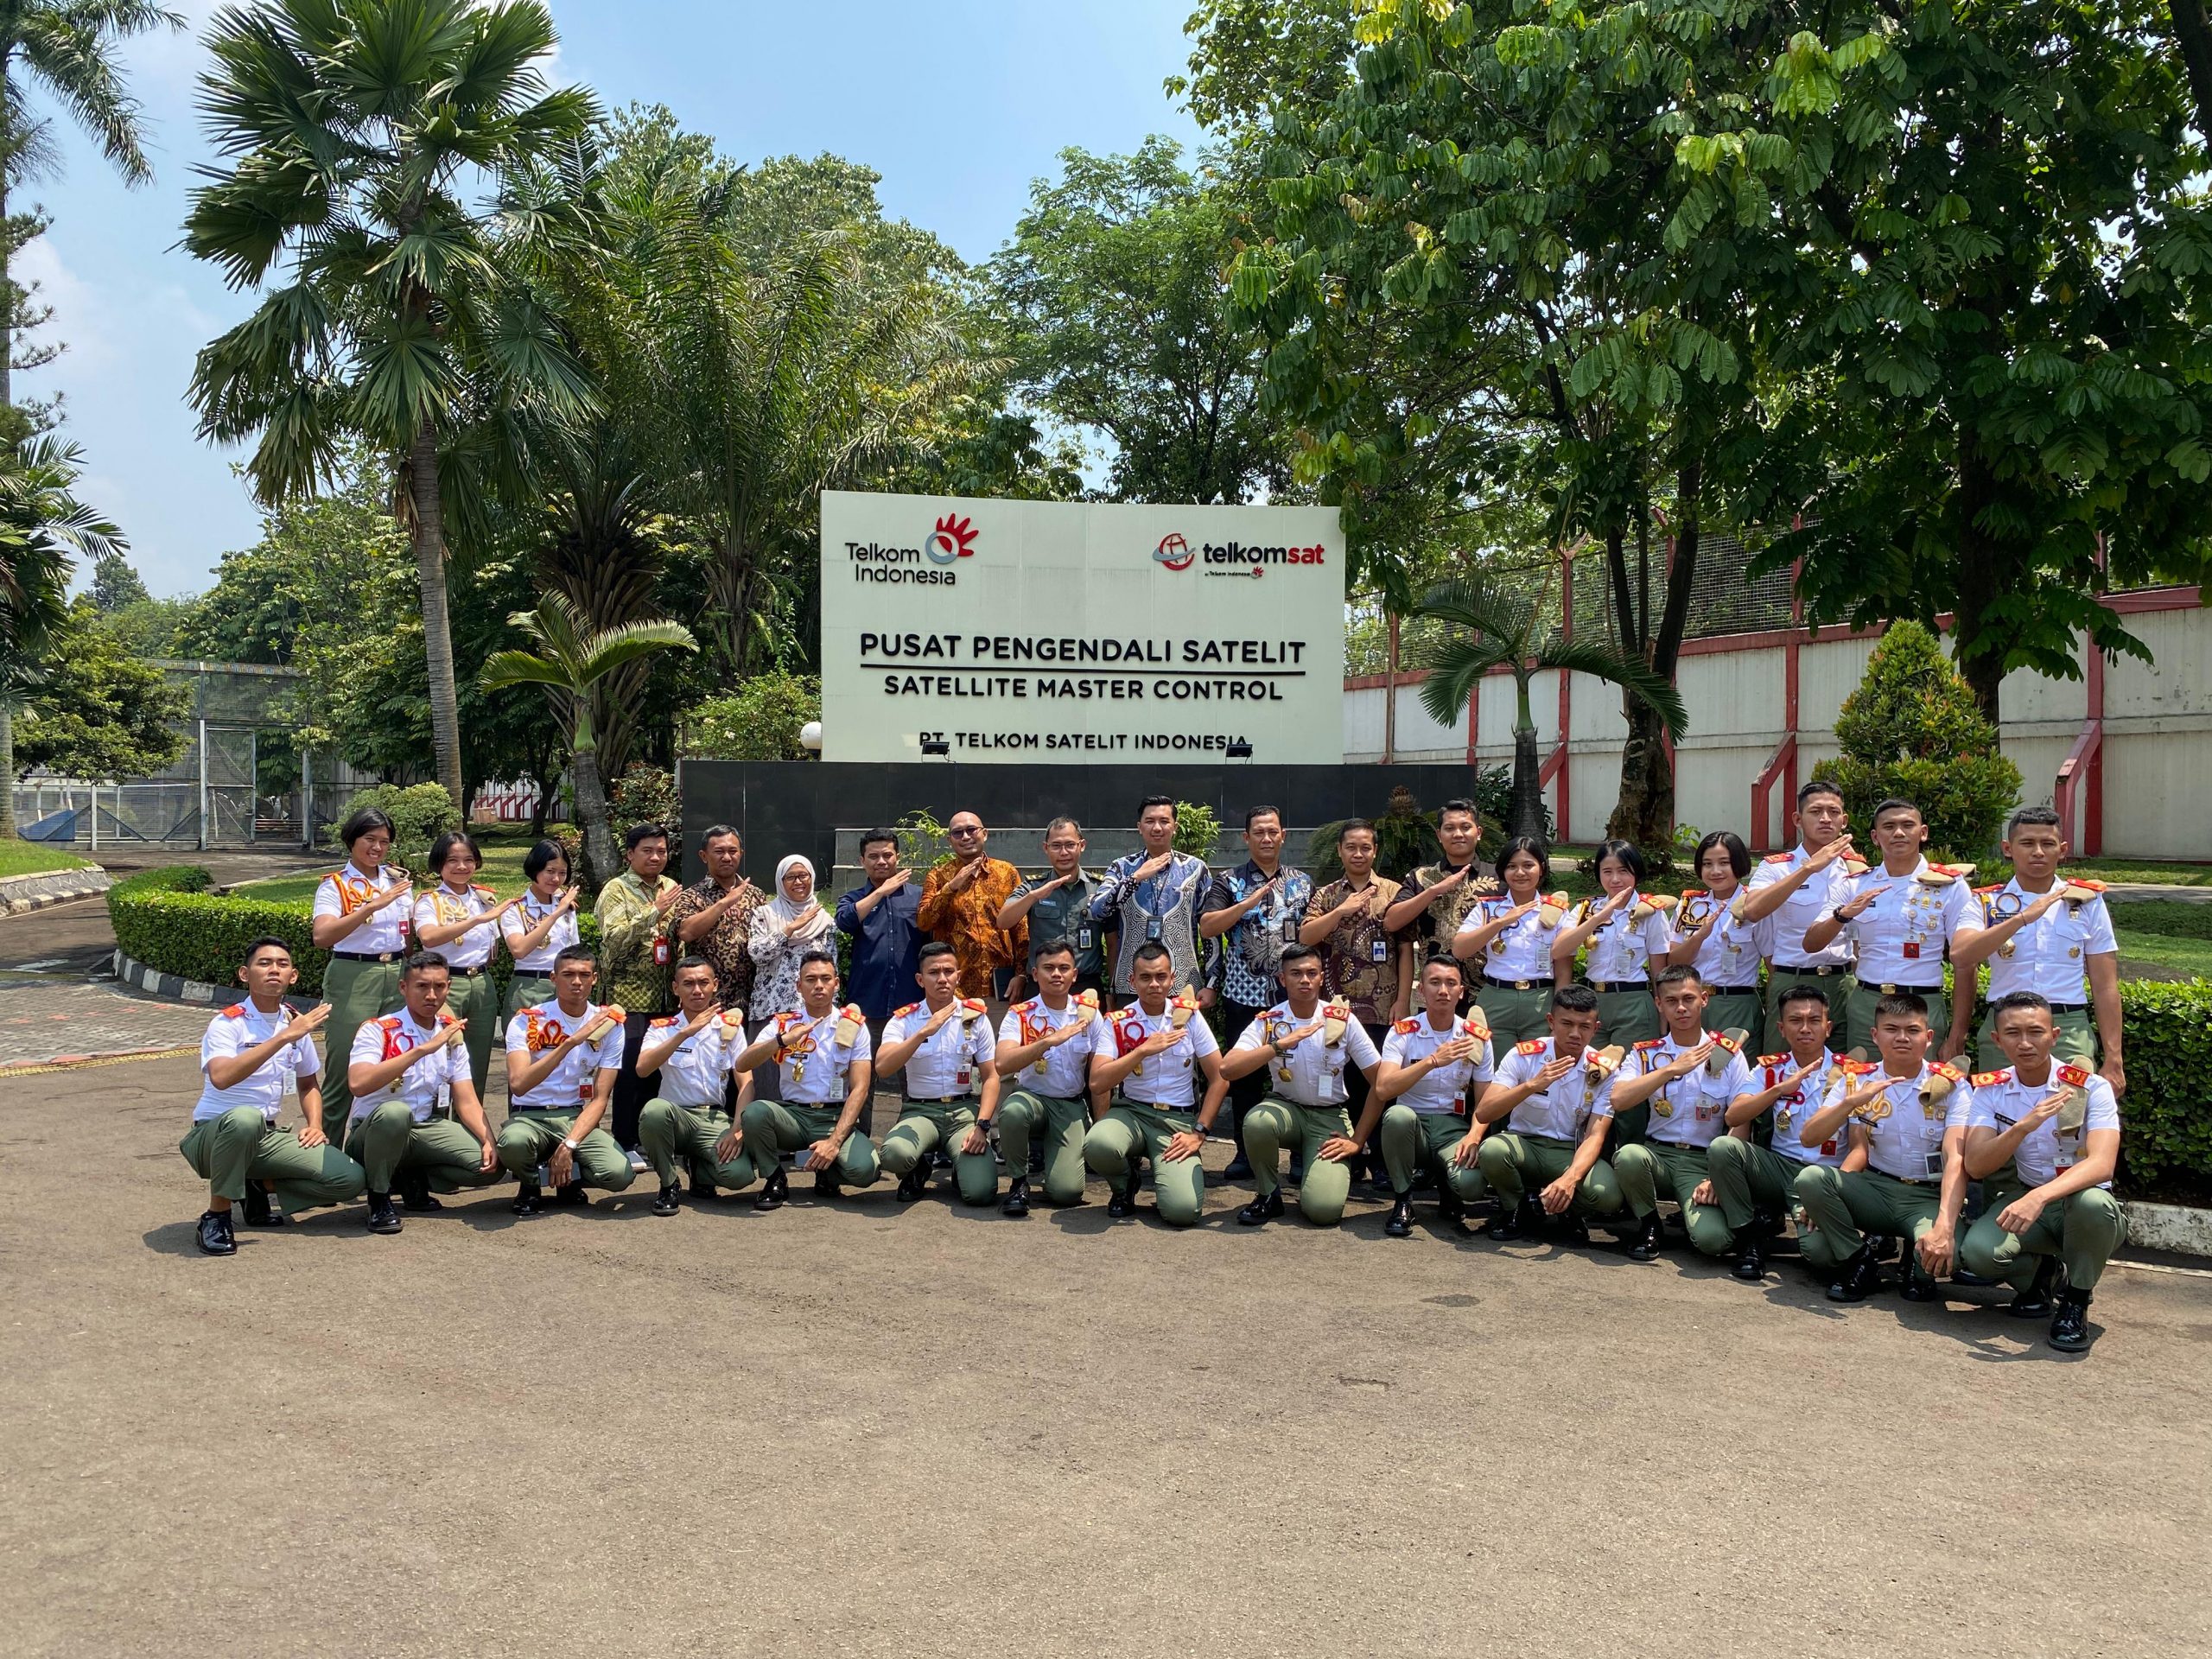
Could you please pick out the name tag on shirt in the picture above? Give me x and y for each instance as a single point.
(960, 1079)
(1379, 951)
(1934, 1162)
(660, 953)
(1085, 938)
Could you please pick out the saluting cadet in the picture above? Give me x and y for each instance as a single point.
(540, 928)
(2041, 932)
(1436, 897)
(1629, 940)
(1913, 1116)
(362, 914)
(257, 1055)
(944, 1046)
(1255, 910)
(562, 1056)
(693, 1117)
(1147, 1059)
(2043, 1136)
(1555, 1106)
(1056, 908)
(1435, 1066)
(635, 958)
(416, 1116)
(1044, 1062)
(1756, 1185)
(1153, 897)
(460, 919)
(1507, 942)
(1300, 1050)
(1789, 892)
(1900, 919)
(1724, 950)
(823, 1057)
(1690, 1076)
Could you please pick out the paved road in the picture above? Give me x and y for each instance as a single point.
(861, 1429)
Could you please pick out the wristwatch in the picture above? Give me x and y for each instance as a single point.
(568, 1144)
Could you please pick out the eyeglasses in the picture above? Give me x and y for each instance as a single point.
(967, 829)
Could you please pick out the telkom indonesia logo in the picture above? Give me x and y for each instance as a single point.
(1174, 552)
(951, 539)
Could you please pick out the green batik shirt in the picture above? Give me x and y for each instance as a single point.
(1064, 915)
(636, 959)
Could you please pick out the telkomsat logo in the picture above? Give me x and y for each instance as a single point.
(1174, 552)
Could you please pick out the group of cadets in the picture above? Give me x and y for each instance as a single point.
(1481, 1061)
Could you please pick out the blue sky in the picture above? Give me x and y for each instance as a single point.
(959, 104)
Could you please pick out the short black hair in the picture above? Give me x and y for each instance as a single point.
(422, 962)
(1739, 856)
(868, 837)
(1805, 993)
(1902, 1005)
(638, 834)
(1574, 999)
(257, 946)
(1682, 974)
(1516, 845)
(931, 951)
(1894, 804)
(715, 832)
(360, 822)
(1631, 856)
(2014, 1002)
(2043, 817)
(1460, 803)
(1053, 948)
(577, 952)
(1151, 801)
(535, 861)
(1150, 949)
(1252, 812)
(818, 956)
(1353, 826)
(1063, 819)
(683, 963)
(1817, 786)
(442, 848)
(1440, 960)
(1296, 953)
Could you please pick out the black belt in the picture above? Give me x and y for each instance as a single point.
(1912, 1180)
(364, 955)
(1936, 989)
(1818, 970)
(709, 1109)
(1516, 984)
(1607, 986)
(938, 1100)
(1751, 989)
(532, 973)
(467, 973)
(2069, 1008)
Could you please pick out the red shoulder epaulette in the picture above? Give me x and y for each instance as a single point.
(666, 1019)
(1406, 1027)
(975, 1002)
(1991, 1079)
(1025, 1007)
(1774, 1059)
(1697, 892)
(1776, 858)
(1994, 887)
(1653, 1042)
(1950, 1071)
(477, 887)
(389, 1023)
(901, 1014)
(236, 1011)
(2076, 1075)
(1534, 1045)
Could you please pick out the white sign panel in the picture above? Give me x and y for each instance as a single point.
(1029, 630)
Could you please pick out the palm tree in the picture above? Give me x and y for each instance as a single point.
(571, 659)
(41, 525)
(1495, 626)
(66, 48)
(352, 127)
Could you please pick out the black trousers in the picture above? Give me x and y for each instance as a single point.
(1250, 1089)
(630, 1091)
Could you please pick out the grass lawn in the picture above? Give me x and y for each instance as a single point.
(2137, 870)
(35, 858)
(502, 872)
(2174, 937)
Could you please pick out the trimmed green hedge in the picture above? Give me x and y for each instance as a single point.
(2166, 1119)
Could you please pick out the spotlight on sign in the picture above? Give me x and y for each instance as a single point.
(1240, 751)
(936, 745)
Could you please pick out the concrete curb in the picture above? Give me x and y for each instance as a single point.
(2170, 1227)
(168, 986)
(21, 894)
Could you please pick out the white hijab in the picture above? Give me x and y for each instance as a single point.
(784, 910)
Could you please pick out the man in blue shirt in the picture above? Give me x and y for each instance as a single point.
(1153, 897)
(878, 917)
(1255, 910)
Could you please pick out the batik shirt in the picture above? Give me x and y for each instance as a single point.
(637, 963)
(1252, 950)
(728, 945)
(1359, 960)
(1162, 909)
(1437, 924)
(969, 921)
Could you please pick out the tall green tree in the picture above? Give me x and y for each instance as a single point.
(354, 130)
(96, 711)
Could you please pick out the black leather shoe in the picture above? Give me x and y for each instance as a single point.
(1400, 1224)
(1037, 1158)
(1520, 1222)
(2070, 1327)
(1263, 1209)
(666, 1204)
(1449, 1208)
(413, 1190)
(258, 1213)
(383, 1218)
(2035, 1302)
(701, 1188)
(1123, 1204)
(573, 1196)
(1572, 1230)
(1919, 1284)
(1882, 1246)
(1650, 1234)
(528, 1201)
(1017, 1196)
(1750, 1255)
(914, 1182)
(774, 1190)
(1857, 1279)
(1239, 1169)
(826, 1183)
(215, 1236)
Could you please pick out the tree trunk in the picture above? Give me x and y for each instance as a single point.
(437, 636)
(1978, 643)
(1644, 812)
(1527, 816)
(7, 331)
(7, 771)
(2193, 32)
(592, 819)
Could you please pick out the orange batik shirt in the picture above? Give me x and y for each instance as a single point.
(969, 921)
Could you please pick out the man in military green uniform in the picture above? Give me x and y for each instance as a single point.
(416, 1118)
(1044, 1065)
(636, 960)
(1058, 907)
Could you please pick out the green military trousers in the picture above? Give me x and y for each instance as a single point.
(1021, 1114)
(1845, 1208)
(358, 990)
(2082, 1231)
(1514, 1016)
(1518, 1165)
(774, 1127)
(668, 1134)
(1276, 1122)
(241, 1145)
(388, 1140)
(1836, 987)
(1131, 1128)
(528, 1139)
(2077, 1041)
(1651, 1168)
(1408, 1137)
(476, 999)
(1627, 1017)
(1747, 1179)
(1741, 1011)
(925, 1125)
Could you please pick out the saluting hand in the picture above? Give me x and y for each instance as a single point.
(570, 898)
(452, 1033)
(1458, 1048)
(392, 894)
(1163, 1039)
(1449, 882)
(1153, 866)
(1690, 1059)
(893, 882)
(1557, 1068)
(1821, 858)
(306, 1025)
(664, 899)
(1852, 909)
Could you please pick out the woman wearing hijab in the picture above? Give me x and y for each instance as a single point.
(784, 930)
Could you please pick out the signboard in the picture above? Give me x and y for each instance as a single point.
(1074, 631)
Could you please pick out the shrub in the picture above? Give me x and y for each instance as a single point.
(420, 813)
(1405, 839)
(1912, 730)
(1198, 831)
(922, 840)
(759, 720)
(2165, 1148)
(645, 794)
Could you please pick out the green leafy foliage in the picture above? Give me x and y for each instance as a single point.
(2166, 1122)
(420, 813)
(760, 721)
(96, 710)
(922, 840)
(645, 794)
(1198, 829)
(1912, 730)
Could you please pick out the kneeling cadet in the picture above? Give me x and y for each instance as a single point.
(416, 1118)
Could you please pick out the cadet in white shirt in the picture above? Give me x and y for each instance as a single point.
(460, 919)
(1913, 1116)
(1435, 1066)
(1044, 1065)
(1900, 918)
(824, 1068)
(561, 1058)
(1292, 1047)
(256, 1055)
(417, 1116)
(362, 915)
(1690, 1077)
(1789, 892)
(1147, 1060)
(1555, 1106)
(1725, 952)
(1755, 1186)
(694, 1118)
(944, 1046)
(1627, 951)
(1509, 942)
(2041, 932)
(2042, 1137)
(538, 929)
